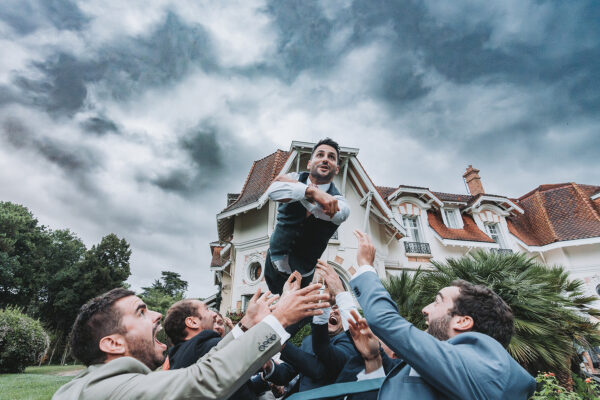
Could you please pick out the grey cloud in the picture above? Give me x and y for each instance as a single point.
(74, 160)
(99, 125)
(26, 16)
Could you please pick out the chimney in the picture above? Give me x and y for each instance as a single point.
(473, 181)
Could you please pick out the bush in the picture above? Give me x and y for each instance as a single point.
(550, 389)
(23, 341)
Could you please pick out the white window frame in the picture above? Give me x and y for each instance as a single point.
(455, 220)
(410, 229)
(488, 229)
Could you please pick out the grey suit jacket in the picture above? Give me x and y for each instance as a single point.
(468, 366)
(215, 376)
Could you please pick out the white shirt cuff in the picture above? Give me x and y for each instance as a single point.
(298, 190)
(362, 269)
(378, 373)
(323, 318)
(277, 327)
(345, 304)
(267, 376)
(237, 331)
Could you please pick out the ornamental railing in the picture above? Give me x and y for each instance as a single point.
(417, 248)
(503, 252)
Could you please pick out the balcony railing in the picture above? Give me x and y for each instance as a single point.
(503, 252)
(417, 248)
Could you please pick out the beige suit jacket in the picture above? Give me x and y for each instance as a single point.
(215, 376)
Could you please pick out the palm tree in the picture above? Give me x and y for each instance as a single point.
(551, 312)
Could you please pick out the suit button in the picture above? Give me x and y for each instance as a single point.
(273, 337)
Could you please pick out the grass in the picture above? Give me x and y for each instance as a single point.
(36, 383)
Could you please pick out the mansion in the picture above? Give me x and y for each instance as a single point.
(558, 224)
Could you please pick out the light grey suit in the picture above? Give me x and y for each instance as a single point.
(215, 376)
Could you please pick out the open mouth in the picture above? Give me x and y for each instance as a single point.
(323, 167)
(333, 320)
(157, 329)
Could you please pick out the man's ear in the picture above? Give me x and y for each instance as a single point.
(463, 323)
(308, 163)
(192, 322)
(113, 344)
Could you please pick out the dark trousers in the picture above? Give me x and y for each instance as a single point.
(275, 280)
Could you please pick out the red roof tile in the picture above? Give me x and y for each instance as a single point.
(463, 198)
(260, 177)
(555, 213)
(469, 232)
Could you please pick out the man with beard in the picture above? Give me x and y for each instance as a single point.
(310, 212)
(114, 335)
(192, 328)
(462, 354)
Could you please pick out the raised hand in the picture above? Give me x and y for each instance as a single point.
(258, 308)
(365, 341)
(292, 283)
(365, 255)
(299, 304)
(332, 279)
(328, 203)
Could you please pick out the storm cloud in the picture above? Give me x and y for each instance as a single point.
(138, 117)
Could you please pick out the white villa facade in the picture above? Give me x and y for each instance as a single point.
(558, 224)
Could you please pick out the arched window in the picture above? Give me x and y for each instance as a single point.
(254, 272)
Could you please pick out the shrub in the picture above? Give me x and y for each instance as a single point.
(550, 389)
(23, 341)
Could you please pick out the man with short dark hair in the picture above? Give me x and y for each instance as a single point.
(114, 335)
(310, 212)
(462, 354)
(189, 324)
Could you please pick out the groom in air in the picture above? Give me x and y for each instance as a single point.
(310, 211)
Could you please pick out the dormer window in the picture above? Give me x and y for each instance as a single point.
(493, 231)
(411, 223)
(453, 218)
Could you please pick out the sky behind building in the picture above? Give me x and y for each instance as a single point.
(138, 117)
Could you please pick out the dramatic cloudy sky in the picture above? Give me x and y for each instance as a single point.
(137, 117)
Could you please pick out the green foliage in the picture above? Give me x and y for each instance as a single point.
(301, 334)
(50, 274)
(23, 341)
(549, 309)
(36, 383)
(550, 389)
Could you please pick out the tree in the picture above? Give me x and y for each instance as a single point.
(550, 310)
(23, 341)
(22, 255)
(164, 292)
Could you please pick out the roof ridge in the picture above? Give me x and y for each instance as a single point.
(585, 200)
(278, 154)
(245, 183)
(546, 216)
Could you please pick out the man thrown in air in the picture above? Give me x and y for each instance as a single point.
(310, 211)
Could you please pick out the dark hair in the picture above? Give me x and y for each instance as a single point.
(491, 315)
(96, 319)
(175, 320)
(328, 142)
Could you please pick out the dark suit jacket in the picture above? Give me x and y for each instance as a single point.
(469, 366)
(334, 352)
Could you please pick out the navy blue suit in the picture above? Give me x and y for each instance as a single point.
(470, 365)
(334, 352)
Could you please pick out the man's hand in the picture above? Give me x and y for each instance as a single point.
(332, 279)
(328, 203)
(258, 308)
(228, 323)
(366, 342)
(292, 283)
(299, 304)
(365, 254)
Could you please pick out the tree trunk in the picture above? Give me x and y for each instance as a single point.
(65, 354)
(54, 349)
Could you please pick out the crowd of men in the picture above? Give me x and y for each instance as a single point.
(461, 355)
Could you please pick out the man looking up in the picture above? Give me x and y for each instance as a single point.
(462, 354)
(191, 327)
(114, 335)
(310, 212)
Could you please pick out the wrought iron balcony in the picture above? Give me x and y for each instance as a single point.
(417, 248)
(503, 252)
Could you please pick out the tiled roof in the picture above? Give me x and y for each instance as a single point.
(555, 213)
(463, 198)
(469, 232)
(260, 177)
(385, 191)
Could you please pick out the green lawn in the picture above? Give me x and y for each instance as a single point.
(37, 383)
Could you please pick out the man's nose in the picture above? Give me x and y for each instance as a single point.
(157, 317)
